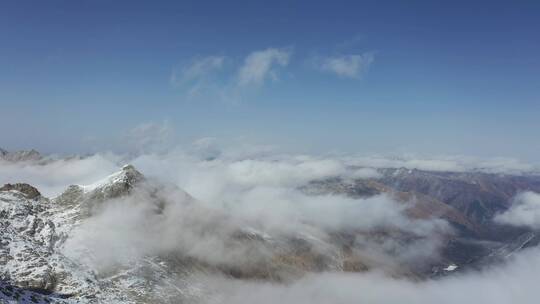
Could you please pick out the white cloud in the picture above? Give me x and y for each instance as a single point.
(350, 66)
(53, 177)
(238, 165)
(197, 69)
(525, 211)
(199, 79)
(263, 190)
(259, 65)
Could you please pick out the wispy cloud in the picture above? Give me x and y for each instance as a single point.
(206, 77)
(260, 65)
(151, 137)
(199, 68)
(348, 66)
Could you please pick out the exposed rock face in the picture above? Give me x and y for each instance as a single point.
(119, 184)
(32, 231)
(116, 185)
(14, 294)
(479, 196)
(27, 238)
(29, 191)
(71, 196)
(18, 156)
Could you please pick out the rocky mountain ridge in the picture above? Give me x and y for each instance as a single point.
(467, 200)
(19, 156)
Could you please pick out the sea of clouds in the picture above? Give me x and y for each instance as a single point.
(244, 186)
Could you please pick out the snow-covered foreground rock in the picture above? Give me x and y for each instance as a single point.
(12, 295)
(33, 261)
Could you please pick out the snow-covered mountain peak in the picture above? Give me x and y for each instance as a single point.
(91, 196)
(127, 177)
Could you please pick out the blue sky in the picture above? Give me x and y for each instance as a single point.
(356, 76)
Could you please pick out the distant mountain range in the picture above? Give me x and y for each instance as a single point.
(17, 156)
(467, 200)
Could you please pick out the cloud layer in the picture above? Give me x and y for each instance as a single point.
(512, 283)
(251, 189)
(525, 211)
(237, 194)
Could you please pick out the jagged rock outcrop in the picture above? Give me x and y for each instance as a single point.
(29, 191)
(27, 237)
(18, 156)
(32, 231)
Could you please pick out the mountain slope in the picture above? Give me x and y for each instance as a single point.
(467, 200)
